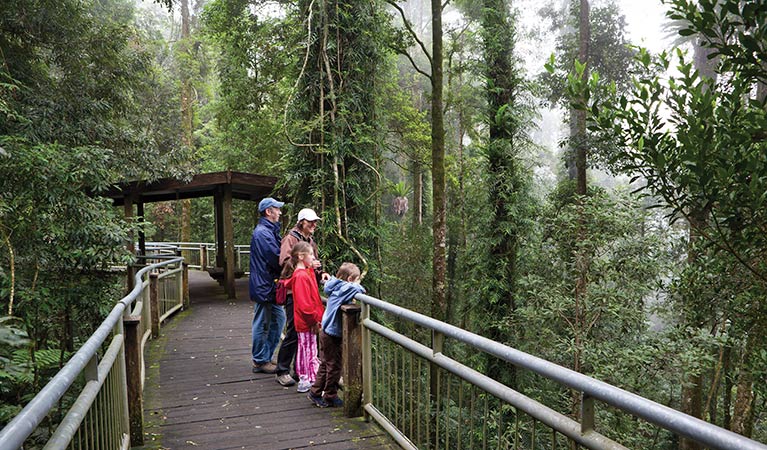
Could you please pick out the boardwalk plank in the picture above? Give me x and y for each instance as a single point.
(201, 394)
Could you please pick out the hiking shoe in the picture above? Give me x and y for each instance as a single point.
(318, 401)
(304, 386)
(285, 379)
(334, 402)
(267, 367)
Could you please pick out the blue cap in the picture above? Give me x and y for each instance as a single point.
(269, 202)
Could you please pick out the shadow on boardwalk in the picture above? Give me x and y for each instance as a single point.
(200, 392)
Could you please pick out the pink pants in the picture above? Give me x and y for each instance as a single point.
(306, 357)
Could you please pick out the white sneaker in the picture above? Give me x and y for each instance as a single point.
(304, 386)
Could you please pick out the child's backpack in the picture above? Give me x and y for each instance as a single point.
(281, 294)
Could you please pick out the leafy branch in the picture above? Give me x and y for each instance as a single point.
(414, 36)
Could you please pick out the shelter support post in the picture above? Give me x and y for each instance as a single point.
(141, 233)
(229, 262)
(218, 206)
(128, 208)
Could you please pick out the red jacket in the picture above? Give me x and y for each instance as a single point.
(307, 306)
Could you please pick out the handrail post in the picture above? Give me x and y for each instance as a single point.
(132, 330)
(91, 371)
(367, 360)
(154, 305)
(437, 343)
(203, 257)
(122, 377)
(351, 366)
(185, 285)
(587, 413)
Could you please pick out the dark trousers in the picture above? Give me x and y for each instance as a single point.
(287, 353)
(329, 372)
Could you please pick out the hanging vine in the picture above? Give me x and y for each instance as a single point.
(333, 164)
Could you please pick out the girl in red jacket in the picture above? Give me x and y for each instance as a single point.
(307, 311)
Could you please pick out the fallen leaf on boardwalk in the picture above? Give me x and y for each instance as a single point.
(192, 443)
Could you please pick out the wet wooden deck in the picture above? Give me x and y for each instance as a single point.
(200, 392)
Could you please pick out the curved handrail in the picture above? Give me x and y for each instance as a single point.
(19, 429)
(663, 416)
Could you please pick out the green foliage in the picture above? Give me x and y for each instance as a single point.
(243, 124)
(604, 331)
(407, 262)
(733, 29)
(13, 339)
(698, 144)
(713, 163)
(400, 189)
(336, 141)
(609, 51)
(81, 108)
(624, 265)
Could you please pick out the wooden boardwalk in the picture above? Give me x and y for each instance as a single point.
(200, 391)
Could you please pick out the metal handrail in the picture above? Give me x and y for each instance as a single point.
(22, 426)
(667, 418)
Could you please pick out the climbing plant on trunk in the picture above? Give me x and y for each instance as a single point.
(333, 162)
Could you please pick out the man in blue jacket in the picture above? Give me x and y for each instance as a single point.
(268, 317)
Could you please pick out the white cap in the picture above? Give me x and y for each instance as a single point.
(308, 214)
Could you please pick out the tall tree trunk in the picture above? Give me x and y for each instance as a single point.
(187, 114)
(504, 174)
(743, 410)
(584, 36)
(439, 190)
(582, 258)
(417, 193)
(727, 394)
(692, 383)
(439, 196)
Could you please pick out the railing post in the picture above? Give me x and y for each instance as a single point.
(185, 285)
(132, 330)
(122, 401)
(367, 360)
(437, 341)
(154, 305)
(351, 366)
(587, 413)
(91, 371)
(203, 256)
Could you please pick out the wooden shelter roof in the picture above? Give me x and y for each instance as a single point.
(245, 186)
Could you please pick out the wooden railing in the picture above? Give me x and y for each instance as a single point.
(108, 410)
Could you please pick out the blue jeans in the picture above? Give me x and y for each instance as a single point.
(268, 321)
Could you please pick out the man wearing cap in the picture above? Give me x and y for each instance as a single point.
(268, 317)
(303, 231)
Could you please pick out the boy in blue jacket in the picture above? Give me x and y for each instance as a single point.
(340, 290)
